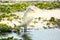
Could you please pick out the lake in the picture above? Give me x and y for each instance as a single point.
(36, 34)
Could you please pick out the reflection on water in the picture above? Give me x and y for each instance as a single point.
(26, 37)
(17, 35)
(42, 34)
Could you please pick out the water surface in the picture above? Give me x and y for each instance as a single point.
(43, 34)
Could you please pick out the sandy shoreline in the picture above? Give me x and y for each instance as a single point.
(46, 13)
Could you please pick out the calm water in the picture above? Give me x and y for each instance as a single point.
(43, 34)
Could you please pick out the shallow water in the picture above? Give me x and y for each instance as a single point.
(43, 34)
(48, 34)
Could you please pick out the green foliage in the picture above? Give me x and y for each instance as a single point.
(48, 23)
(14, 7)
(52, 19)
(8, 16)
(15, 17)
(12, 14)
(47, 5)
(5, 8)
(19, 7)
(9, 38)
(3, 15)
(17, 28)
(23, 6)
(54, 22)
(5, 28)
(9, 19)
